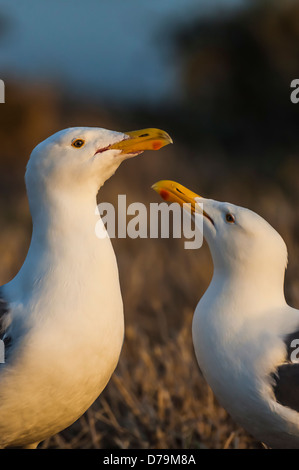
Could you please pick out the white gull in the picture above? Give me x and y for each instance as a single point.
(61, 317)
(245, 335)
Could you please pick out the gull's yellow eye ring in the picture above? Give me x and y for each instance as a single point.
(78, 143)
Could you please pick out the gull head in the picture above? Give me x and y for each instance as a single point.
(238, 238)
(83, 158)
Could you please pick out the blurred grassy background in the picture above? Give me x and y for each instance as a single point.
(235, 133)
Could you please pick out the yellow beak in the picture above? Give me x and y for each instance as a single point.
(144, 139)
(175, 192)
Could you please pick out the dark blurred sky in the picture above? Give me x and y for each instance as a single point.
(115, 49)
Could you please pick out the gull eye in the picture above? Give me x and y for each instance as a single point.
(78, 143)
(230, 218)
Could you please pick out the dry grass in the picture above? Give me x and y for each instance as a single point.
(157, 398)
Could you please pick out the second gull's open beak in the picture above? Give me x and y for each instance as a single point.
(144, 139)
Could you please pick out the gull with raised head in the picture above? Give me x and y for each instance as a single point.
(61, 317)
(245, 335)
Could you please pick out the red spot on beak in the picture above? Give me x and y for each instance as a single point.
(156, 145)
(164, 194)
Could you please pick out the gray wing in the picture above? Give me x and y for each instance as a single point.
(286, 376)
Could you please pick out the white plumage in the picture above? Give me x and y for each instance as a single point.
(61, 317)
(243, 330)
